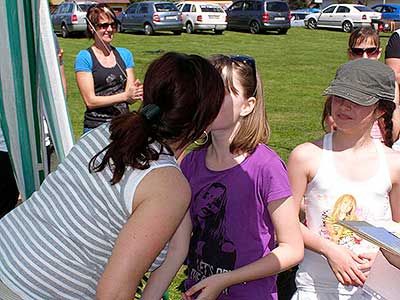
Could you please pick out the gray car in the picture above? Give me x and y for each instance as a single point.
(259, 15)
(150, 17)
(70, 17)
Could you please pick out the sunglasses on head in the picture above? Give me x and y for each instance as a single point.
(247, 60)
(361, 51)
(105, 26)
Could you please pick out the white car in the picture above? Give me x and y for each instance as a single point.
(202, 16)
(344, 16)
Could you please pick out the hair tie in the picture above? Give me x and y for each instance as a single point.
(151, 112)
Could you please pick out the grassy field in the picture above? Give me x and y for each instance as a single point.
(295, 68)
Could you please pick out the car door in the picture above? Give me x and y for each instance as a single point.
(341, 14)
(55, 18)
(234, 12)
(185, 9)
(388, 12)
(128, 16)
(141, 16)
(249, 13)
(326, 16)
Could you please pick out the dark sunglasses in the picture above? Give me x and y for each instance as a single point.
(105, 26)
(361, 51)
(247, 60)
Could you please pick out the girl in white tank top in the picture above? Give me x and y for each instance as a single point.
(346, 175)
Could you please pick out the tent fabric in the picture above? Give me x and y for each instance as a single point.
(29, 80)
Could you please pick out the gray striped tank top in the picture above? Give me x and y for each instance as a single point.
(57, 243)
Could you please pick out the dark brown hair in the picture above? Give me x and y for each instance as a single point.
(363, 34)
(189, 93)
(385, 122)
(326, 113)
(254, 128)
(93, 16)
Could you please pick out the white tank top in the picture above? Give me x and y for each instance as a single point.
(330, 197)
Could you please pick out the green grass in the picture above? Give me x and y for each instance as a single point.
(295, 68)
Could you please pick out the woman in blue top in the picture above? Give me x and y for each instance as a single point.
(104, 74)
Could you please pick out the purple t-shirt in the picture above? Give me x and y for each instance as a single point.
(231, 223)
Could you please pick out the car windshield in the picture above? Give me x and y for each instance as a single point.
(211, 8)
(84, 7)
(163, 7)
(277, 6)
(363, 8)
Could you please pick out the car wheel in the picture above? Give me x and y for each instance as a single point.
(312, 24)
(347, 26)
(148, 29)
(282, 31)
(218, 31)
(254, 27)
(64, 31)
(189, 28)
(177, 32)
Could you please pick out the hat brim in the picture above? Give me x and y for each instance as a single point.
(352, 95)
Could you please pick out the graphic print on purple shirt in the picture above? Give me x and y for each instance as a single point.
(209, 239)
(231, 223)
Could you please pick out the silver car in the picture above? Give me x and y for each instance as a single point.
(150, 16)
(202, 16)
(70, 17)
(343, 16)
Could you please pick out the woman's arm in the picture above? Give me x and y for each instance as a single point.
(177, 251)
(394, 194)
(393, 259)
(86, 87)
(159, 207)
(288, 253)
(302, 165)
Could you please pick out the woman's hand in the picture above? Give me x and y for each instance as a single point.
(135, 92)
(209, 288)
(345, 265)
(368, 260)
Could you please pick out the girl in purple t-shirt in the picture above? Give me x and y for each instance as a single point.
(240, 198)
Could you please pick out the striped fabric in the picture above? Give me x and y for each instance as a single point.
(56, 244)
(29, 81)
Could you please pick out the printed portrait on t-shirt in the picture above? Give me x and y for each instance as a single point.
(211, 250)
(345, 208)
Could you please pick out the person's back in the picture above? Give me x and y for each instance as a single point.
(67, 229)
(91, 231)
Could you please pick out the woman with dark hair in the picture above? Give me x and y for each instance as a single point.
(104, 217)
(105, 74)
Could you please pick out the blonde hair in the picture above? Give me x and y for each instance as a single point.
(254, 128)
(337, 208)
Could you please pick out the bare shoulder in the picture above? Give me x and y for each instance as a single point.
(164, 184)
(393, 159)
(305, 152)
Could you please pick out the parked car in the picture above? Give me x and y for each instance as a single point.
(70, 17)
(297, 17)
(259, 15)
(388, 11)
(202, 16)
(151, 16)
(344, 16)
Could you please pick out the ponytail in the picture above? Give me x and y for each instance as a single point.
(175, 111)
(130, 136)
(385, 122)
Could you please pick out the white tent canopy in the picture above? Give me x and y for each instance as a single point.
(30, 86)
